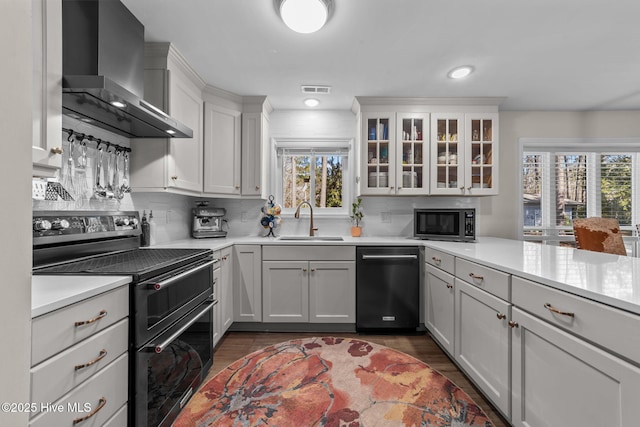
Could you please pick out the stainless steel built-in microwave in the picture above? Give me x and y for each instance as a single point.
(445, 224)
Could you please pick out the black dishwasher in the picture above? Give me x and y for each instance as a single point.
(387, 288)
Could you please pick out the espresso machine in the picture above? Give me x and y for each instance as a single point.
(207, 222)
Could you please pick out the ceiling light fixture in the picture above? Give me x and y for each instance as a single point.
(311, 102)
(304, 16)
(460, 72)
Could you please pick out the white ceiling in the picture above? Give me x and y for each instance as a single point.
(539, 54)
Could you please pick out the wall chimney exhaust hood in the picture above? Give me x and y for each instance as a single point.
(103, 71)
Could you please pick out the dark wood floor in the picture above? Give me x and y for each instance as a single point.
(235, 345)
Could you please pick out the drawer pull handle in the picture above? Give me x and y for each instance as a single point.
(449, 286)
(103, 313)
(555, 310)
(475, 276)
(436, 260)
(501, 316)
(101, 403)
(513, 324)
(101, 356)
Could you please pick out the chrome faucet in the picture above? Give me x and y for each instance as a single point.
(297, 216)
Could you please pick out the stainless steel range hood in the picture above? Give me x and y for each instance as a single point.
(103, 71)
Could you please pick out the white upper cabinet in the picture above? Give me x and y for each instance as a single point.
(424, 146)
(255, 146)
(222, 149)
(447, 153)
(173, 164)
(47, 87)
(481, 154)
(379, 154)
(462, 154)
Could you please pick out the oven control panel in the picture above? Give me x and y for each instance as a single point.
(69, 225)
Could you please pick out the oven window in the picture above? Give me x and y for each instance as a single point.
(163, 302)
(440, 223)
(175, 372)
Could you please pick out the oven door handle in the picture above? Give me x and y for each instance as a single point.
(158, 348)
(159, 285)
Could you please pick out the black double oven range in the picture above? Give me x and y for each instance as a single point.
(171, 300)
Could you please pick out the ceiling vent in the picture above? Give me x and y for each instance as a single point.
(315, 90)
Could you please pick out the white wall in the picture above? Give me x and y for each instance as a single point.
(499, 214)
(15, 237)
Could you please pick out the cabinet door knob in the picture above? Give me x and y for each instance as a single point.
(436, 260)
(501, 315)
(513, 324)
(476, 276)
(56, 150)
(449, 286)
(257, 187)
(174, 177)
(469, 188)
(304, 269)
(313, 269)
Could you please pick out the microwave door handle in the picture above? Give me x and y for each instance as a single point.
(159, 285)
(158, 348)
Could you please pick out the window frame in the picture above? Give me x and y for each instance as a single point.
(319, 144)
(548, 148)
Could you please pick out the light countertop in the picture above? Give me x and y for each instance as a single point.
(609, 279)
(50, 293)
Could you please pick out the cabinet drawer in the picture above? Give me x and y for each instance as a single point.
(55, 331)
(119, 419)
(595, 322)
(55, 376)
(108, 386)
(493, 281)
(440, 260)
(308, 253)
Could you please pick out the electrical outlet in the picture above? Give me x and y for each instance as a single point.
(385, 217)
(38, 189)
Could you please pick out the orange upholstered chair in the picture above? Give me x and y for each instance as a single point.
(599, 234)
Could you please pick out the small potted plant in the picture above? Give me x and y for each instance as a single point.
(356, 217)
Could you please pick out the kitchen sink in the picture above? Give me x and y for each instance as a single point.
(312, 238)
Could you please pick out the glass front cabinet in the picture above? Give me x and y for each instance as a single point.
(395, 154)
(462, 154)
(434, 153)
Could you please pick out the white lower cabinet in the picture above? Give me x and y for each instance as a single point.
(332, 292)
(247, 287)
(560, 380)
(439, 306)
(80, 368)
(308, 284)
(217, 311)
(482, 341)
(226, 287)
(285, 288)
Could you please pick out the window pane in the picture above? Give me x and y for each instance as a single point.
(615, 176)
(570, 189)
(532, 190)
(296, 180)
(328, 181)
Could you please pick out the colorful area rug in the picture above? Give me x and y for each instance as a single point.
(330, 382)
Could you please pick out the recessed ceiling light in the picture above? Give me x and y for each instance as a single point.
(460, 72)
(311, 102)
(304, 16)
(118, 104)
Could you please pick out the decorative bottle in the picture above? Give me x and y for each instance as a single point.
(152, 229)
(144, 237)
